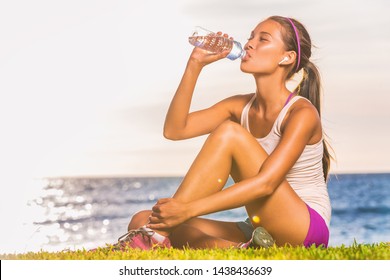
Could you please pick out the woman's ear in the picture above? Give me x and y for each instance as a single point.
(283, 60)
(288, 58)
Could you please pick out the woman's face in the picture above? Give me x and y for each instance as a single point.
(264, 49)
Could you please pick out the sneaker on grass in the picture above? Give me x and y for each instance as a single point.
(142, 238)
(260, 239)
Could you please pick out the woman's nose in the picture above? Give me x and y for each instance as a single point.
(248, 45)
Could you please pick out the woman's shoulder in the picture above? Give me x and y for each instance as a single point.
(301, 111)
(236, 104)
(302, 106)
(241, 98)
(304, 113)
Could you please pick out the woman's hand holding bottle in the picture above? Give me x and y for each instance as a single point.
(204, 57)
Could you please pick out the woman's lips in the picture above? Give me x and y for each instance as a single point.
(246, 56)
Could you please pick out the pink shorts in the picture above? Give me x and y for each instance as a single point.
(318, 233)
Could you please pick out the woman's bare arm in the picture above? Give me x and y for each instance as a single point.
(179, 122)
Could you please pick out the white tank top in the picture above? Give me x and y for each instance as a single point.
(306, 177)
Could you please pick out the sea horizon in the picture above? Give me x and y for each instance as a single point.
(173, 175)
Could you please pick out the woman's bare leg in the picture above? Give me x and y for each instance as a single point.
(230, 149)
(204, 233)
(197, 232)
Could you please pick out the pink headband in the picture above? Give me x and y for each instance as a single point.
(298, 43)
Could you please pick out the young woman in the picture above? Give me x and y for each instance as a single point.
(270, 142)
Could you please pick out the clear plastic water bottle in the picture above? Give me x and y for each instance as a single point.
(215, 43)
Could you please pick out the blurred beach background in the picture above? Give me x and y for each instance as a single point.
(85, 86)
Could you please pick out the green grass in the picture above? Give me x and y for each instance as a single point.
(380, 251)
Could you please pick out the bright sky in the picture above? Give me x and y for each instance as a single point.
(85, 85)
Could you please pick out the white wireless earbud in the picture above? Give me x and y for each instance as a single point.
(283, 60)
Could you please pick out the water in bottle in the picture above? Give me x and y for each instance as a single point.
(215, 43)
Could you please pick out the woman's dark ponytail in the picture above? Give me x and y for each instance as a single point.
(310, 88)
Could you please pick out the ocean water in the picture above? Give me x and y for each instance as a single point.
(76, 213)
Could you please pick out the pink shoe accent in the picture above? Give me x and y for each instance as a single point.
(140, 239)
(245, 245)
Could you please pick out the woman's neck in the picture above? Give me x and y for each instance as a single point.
(271, 94)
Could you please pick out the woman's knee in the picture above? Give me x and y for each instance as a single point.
(139, 219)
(228, 130)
